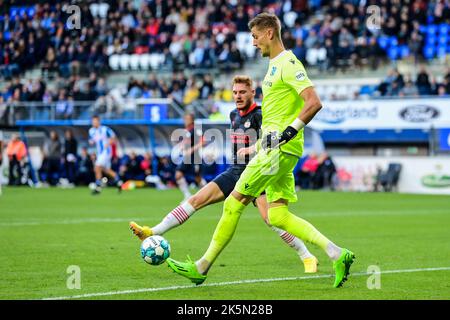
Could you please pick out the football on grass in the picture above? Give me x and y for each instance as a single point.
(155, 250)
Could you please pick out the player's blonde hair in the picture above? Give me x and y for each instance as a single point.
(266, 20)
(243, 79)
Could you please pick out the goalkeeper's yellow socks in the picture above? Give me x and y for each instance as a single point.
(232, 210)
(281, 217)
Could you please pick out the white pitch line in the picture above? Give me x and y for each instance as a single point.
(38, 222)
(219, 284)
(65, 221)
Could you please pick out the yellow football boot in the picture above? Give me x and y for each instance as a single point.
(141, 232)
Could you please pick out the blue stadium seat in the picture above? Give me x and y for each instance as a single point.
(383, 42)
(441, 51)
(23, 12)
(444, 29)
(423, 28)
(13, 11)
(404, 51)
(430, 19)
(7, 35)
(393, 42)
(31, 11)
(430, 40)
(366, 89)
(393, 53)
(431, 29)
(443, 39)
(429, 52)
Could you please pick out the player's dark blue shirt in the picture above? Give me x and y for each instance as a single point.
(245, 129)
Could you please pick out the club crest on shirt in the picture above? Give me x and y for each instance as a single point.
(272, 73)
(300, 75)
(247, 124)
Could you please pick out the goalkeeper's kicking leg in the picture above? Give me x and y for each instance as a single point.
(280, 190)
(280, 217)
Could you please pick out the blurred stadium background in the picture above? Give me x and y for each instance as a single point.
(381, 68)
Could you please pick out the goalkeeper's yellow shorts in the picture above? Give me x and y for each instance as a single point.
(271, 172)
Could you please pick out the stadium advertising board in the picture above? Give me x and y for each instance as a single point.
(377, 114)
(383, 114)
(418, 174)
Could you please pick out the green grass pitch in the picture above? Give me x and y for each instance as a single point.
(44, 231)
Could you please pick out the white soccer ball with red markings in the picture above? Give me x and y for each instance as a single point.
(155, 250)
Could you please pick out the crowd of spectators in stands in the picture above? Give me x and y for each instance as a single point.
(328, 34)
(344, 37)
(64, 93)
(182, 89)
(69, 93)
(196, 33)
(397, 84)
(202, 33)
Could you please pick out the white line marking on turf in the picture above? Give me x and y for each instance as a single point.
(65, 221)
(38, 222)
(219, 284)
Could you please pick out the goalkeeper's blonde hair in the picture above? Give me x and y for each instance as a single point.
(266, 20)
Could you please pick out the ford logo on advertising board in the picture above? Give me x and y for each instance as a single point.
(419, 113)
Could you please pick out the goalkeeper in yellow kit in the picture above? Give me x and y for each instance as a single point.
(289, 103)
